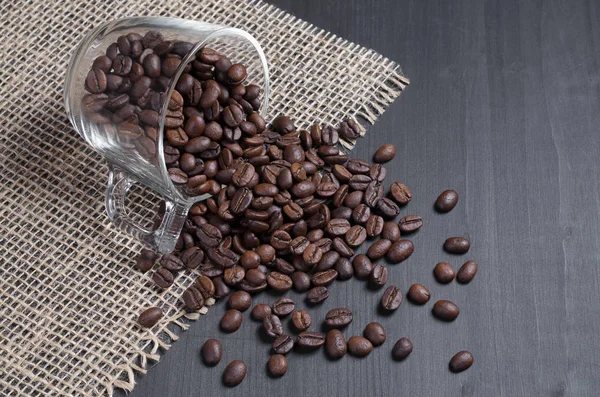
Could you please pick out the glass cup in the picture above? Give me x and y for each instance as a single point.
(133, 150)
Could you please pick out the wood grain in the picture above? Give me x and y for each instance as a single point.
(504, 108)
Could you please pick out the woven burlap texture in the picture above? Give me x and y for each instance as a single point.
(69, 296)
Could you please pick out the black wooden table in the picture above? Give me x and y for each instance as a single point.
(504, 107)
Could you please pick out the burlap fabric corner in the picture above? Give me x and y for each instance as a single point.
(69, 296)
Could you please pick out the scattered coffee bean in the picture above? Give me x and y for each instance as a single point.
(234, 373)
(335, 344)
(379, 276)
(211, 352)
(283, 307)
(467, 272)
(410, 223)
(301, 281)
(362, 266)
(163, 278)
(400, 193)
(359, 346)
(375, 333)
(461, 361)
(443, 272)
(145, 260)
(344, 268)
(400, 251)
(385, 153)
(149, 317)
(272, 326)
(402, 349)
(446, 201)
(457, 245)
(261, 311)
(192, 298)
(391, 298)
(240, 300)
(418, 294)
(317, 295)
(283, 344)
(445, 310)
(390, 231)
(338, 318)
(308, 339)
(379, 248)
(301, 320)
(278, 365)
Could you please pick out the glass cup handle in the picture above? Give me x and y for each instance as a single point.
(161, 239)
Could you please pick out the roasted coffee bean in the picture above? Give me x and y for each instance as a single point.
(467, 272)
(402, 349)
(303, 189)
(299, 244)
(277, 365)
(192, 299)
(150, 317)
(461, 361)
(329, 135)
(400, 193)
(359, 182)
(122, 65)
(272, 326)
(324, 278)
(211, 270)
(341, 173)
(221, 289)
(205, 285)
(283, 344)
(445, 310)
(385, 153)
(95, 81)
(356, 235)
(312, 254)
(211, 352)
(145, 260)
(337, 226)
(328, 260)
(283, 124)
(172, 263)
(208, 235)
(241, 201)
(362, 266)
(178, 138)
(374, 225)
(400, 251)
(255, 277)
(378, 249)
(338, 318)
(261, 311)
(279, 281)
(103, 63)
(317, 295)
(300, 281)
(266, 254)
(375, 333)
(231, 320)
(250, 260)
(293, 211)
(361, 214)
(95, 102)
(392, 298)
(359, 346)
(410, 223)
(283, 307)
(390, 231)
(309, 339)
(335, 344)
(344, 268)
(418, 294)
(240, 300)
(342, 212)
(177, 176)
(457, 245)
(377, 172)
(340, 195)
(342, 248)
(352, 200)
(379, 276)
(163, 278)
(373, 193)
(444, 273)
(301, 320)
(387, 208)
(234, 373)
(358, 166)
(349, 129)
(446, 201)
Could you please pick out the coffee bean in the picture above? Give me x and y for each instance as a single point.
(231, 320)
(467, 272)
(309, 339)
(359, 182)
(172, 263)
(410, 223)
(145, 260)
(379, 248)
(277, 365)
(392, 298)
(211, 352)
(400, 193)
(221, 289)
(361, 214)
(272, 326)
(233, 274)
(149, 317)
(335, 344)
(303, 189)
(283, 344)
(279, 281)
(390, 231)
(234, 373)
(418, 294)
(374, 225)
(342, 212)
(163, 278)
(341, 173)
(379, 276)
(95, 81)
(208, 235)
(338, 318)
(312, 254)
(324, 278)
(444, 273)
(240, 300)
(457, 245)
(261, 311)
(446, 201)
(359, 346)
(317, 295)
(301, 320)
(375, 333)
(402, 349)
(400, 251)
(192, 299)
(445, 310)
(342, 248)
(337, 226)
(385, 153)
(387, 208)
(362, 266)
(461, 361)
(350, 129)
(356, 235)
(352, 200)
(344, 268)
(283, 307)
(122, 65)
(377, 172)
(206, 286)
(266, 254)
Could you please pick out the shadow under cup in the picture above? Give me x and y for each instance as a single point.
(128, 126)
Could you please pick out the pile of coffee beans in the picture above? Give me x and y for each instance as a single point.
(289, 209)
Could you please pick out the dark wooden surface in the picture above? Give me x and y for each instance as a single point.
(504, 108)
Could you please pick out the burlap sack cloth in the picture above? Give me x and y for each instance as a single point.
(69, 296)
